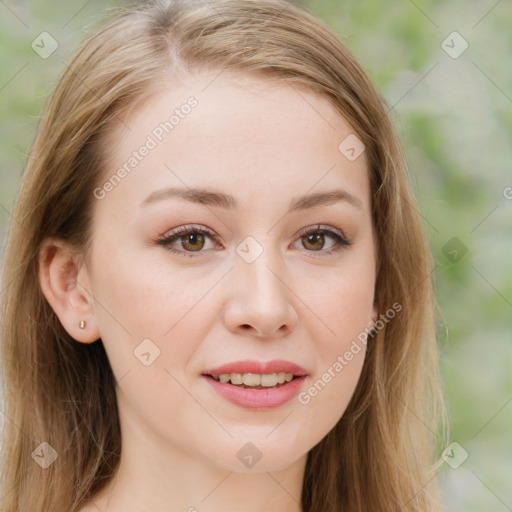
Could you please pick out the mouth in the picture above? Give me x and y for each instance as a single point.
(255, 380)
(256, 385)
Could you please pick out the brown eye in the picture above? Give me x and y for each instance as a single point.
(322, 240)
(193, 241)
(187, 240)
(314, 242)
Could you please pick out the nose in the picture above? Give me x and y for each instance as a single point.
(261, 299)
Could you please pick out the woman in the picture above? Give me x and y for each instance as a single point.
(218, 288)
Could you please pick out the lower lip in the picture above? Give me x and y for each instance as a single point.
(257, 398)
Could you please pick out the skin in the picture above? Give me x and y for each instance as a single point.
(264, 144)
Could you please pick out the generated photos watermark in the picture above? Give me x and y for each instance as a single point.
(156, 136)
(344, 359)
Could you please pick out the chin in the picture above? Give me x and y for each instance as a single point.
(258, 455)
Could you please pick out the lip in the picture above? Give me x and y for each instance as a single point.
(258, 399)
(258, 367)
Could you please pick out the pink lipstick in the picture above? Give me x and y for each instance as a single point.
(257, 385)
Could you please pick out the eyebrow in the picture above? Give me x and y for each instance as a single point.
(212, 198)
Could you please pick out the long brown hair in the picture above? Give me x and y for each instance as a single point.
(379, 457)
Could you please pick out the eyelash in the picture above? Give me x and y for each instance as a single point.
(340, 240)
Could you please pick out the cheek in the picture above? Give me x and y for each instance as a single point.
(340, 352)
(139, 299)
(152, 320)
(326, 395)
(342, 302)
(343, 306)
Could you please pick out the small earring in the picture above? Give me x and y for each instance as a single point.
(82, 324)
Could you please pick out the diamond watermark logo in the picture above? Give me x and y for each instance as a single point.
(454, 455)
(146, 352)
(351, 147)
(44, 45)
(45, 455)
(249, 249)
(454, 45)
(454, 249)
(249, 455)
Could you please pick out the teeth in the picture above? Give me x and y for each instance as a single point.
(251, 379)
(266, 380)
(236, 378)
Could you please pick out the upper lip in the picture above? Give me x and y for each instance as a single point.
(276, 366)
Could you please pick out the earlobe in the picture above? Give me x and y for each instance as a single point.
(59, 268)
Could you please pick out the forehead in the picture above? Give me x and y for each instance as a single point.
(243, 134)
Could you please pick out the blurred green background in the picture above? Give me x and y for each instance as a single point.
(454, 116)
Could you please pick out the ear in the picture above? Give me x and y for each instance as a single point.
(65, 284)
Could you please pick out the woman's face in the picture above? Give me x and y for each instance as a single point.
(246, 291)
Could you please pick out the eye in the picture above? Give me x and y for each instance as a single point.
(314, 240)
(191, 239)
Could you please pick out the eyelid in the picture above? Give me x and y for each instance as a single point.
(188, 228)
